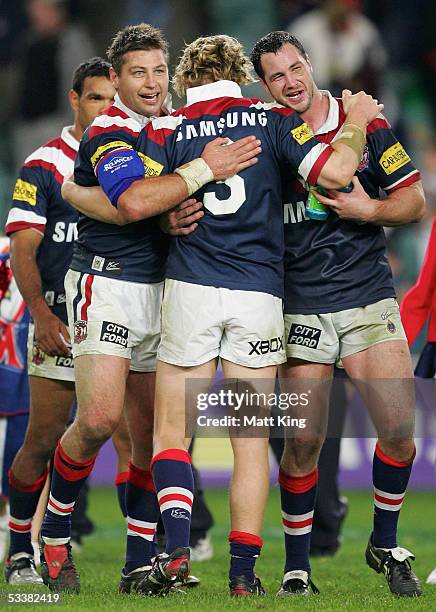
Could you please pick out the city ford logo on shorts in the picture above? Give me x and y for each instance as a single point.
(65, 362)
(112, 332)
(304, 335)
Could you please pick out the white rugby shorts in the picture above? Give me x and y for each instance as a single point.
(327, 338)
(114, 317)
(41, 364)
(200, 323)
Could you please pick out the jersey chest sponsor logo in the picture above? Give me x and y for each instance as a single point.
(294, 212)
(210, 127)
(302, 134)
(114, 333)
(304, 335)
(25, 192)
(64, 232)
(151, 167)
(65, 362)
(263, 347)
(394, 158)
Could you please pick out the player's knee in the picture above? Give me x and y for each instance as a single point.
(42, 444)
(301, 454)
(97, 428)
(399, 449)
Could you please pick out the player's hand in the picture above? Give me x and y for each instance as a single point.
(51, 335)
(182, 219)
(226, 160)
(360, 106)
(355, 206)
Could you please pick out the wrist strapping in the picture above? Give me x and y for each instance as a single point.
(196, 174)
(352, 136)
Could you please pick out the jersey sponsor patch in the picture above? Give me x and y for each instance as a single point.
(302, 134)
(263, 347)
(25, 192)
(394, 158)
(114, 333)
(304, 335)
(114, 145)
(65, 362)
(151, 167)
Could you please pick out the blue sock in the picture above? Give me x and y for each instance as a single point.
(68, 478)
(142, 517)
(120, 483)
(298, 501)
(174, 482)
(390, 479)
(23, 500)
(244, 550)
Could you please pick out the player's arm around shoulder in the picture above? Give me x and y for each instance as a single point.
(91, 202)
(347, 149)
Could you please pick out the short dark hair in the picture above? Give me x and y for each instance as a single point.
(140, 37)
(272, 43)
(96, 66)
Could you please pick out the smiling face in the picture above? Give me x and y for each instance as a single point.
(143, 81)
(288, 78)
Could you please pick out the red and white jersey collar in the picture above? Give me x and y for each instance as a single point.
(68, 138)
(211, 91)
(167, 108)
(332, 121)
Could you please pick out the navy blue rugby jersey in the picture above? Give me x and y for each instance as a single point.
(37, 203)
(334, 265)
(134, 252)
(239, 242)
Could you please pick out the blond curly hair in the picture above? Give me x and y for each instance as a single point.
(209, 59)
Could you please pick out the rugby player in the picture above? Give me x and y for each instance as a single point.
(240, 276)
(114, 288)
(42, 228)
(340, 305)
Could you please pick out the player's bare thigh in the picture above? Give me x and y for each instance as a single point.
(251, 466)
(172, 381)
(387, 386)
(100, 387)
(302, 447)
(139, 412)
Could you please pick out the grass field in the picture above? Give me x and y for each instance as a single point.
(346, 583)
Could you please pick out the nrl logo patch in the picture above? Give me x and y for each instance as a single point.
(80, 331)
(391, 327)
(363, 164)
(38, 356)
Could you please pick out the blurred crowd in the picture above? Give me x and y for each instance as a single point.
(378, 45)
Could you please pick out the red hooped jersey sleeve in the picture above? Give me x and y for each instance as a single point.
(394, 168)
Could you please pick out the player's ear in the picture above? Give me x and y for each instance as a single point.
(113, 77)
(309, 63)
(73, 98)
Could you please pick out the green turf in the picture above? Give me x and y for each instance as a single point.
(346, 583)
